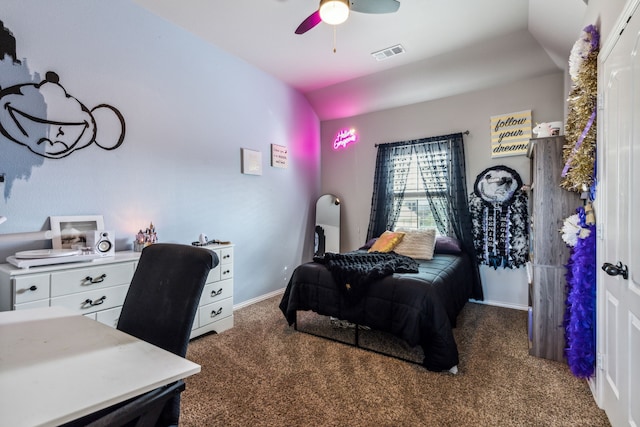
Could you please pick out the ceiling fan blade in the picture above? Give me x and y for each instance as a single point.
(375, 6)
(309, 23)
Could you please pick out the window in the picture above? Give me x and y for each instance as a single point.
(405, 169)
(415, 211)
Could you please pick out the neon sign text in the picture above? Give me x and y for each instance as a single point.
(344, 137)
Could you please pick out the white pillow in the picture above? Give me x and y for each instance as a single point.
(418, 244)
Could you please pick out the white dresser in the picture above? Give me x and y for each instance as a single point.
(96, 289)
(215, 310)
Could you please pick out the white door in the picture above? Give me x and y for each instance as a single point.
(619, 232)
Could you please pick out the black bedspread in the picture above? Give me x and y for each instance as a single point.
(420, 308)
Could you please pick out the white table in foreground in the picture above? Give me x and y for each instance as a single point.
(57, 366)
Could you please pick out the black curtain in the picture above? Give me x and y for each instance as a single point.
(393, 162)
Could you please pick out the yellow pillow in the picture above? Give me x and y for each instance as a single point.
(387, 241)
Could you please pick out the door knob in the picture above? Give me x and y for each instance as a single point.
(614, 270)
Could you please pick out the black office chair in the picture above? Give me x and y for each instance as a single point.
(163, 297)
(159, 308)
(143, 411)
(162, 301)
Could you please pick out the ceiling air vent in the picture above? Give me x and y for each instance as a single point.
(383, 54)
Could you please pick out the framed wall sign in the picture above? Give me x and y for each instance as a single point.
(510, 134)
(279, 156)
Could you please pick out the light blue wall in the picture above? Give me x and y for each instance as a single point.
(189, 108)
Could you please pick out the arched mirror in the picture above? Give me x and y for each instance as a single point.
(327, 238)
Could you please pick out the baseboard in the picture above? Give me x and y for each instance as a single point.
(595, 390)
(502, 304)
(258, 299)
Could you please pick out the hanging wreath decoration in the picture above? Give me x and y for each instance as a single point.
(499, 214)
(580, 131)
(579, 233)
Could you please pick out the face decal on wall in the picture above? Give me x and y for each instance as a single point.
(497, 184)
(66, 125)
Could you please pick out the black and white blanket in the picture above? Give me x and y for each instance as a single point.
(353, 271)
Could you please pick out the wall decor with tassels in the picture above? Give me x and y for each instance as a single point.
(499, 213)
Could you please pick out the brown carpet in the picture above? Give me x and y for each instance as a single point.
(264, 373)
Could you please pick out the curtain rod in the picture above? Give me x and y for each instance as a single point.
(466, 132)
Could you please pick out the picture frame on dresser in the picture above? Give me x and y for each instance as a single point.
(70, 230)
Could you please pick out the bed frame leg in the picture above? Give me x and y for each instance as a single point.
(356, 343)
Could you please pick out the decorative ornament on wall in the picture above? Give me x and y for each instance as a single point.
(344, 138)
(499, 213)
(39, 120)
(63, 126)
(580, 131)
(579, 233)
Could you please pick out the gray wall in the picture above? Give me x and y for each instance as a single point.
(603, 14)
(348, 173)
(189, 109)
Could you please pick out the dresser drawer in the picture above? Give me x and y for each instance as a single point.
(214, 275)
(85, 279)
(226, 256)
(196, 322)
(215, 308)
(92, 301)
(226, 271)
(33, 304)
(31, 288)
(109, 317)
(216, 291)
(215, 311)
(226, 263)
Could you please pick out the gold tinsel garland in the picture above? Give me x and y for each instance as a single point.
(582, 103)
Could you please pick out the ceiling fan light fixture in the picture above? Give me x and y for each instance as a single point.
(334, 12)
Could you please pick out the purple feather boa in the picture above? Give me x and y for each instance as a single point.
(580, 314)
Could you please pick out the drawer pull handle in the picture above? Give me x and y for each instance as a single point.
(226, 257)
(96, 302)
(216, 293)
(33, 288)
(97, 279)
(215, 313)
(226, 272)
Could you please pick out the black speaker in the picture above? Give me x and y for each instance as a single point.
(101, 242)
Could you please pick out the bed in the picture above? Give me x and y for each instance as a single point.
(419, 307)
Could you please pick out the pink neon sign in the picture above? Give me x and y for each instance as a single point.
(344, 137)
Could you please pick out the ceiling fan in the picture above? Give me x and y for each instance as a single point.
(335, 12)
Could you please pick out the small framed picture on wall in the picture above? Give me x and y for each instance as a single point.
(251, 162)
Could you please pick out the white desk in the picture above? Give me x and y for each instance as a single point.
(57, 366)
